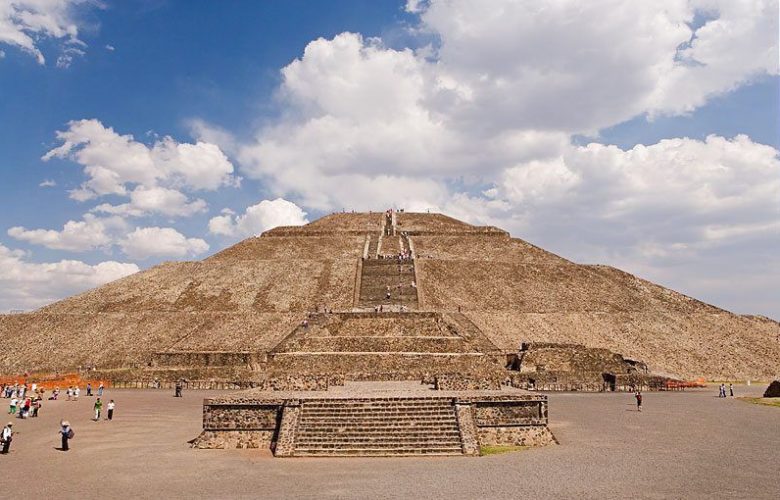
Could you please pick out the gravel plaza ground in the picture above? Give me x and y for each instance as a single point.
(683, 445)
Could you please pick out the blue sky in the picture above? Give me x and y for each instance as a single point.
(510, 115)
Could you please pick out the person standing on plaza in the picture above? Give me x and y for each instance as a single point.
(12, 406)
(98, 406)
(731, 390)
(100, 389)
(638, 396)
(76, 392)
(110, 407)
(89, 389)
(6, 437)
(67, 434)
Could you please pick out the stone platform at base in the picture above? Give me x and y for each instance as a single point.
(365, 419)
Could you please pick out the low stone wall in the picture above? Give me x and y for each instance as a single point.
(223, 440)
(190, 384)
(383, 366)
(518, 422)
(303, 382)
(206, 358)
(459, 382)
(239, 425)
(588, 382)
(516, 436)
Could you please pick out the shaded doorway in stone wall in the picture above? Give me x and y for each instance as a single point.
(610, 381)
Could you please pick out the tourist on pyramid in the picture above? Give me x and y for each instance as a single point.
(66, 433)
(111, 405)
(6, 437)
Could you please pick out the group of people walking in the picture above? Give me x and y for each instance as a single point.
(722, 390)
(25, 401)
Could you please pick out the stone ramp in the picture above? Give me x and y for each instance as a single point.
(377, 427)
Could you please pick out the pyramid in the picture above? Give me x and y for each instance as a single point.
(310, 296)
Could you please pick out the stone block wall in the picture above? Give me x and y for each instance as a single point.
(205, 358)
(510, 421)
(460, 382)
(227, 426)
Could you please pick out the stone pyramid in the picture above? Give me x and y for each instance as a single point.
(493, 292)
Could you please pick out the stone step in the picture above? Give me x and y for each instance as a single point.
(355, 427)
(380, 344)
(380, 435)
(385, 403)
(381, 452)
(447, 432)
(377, 444)
(390, 405)
(410, 413)
(378, 424)
(370, 426)
(379, 412)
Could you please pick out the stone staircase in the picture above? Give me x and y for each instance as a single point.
(385, 346)
(377, 427)
(380, 274)
(373, 246)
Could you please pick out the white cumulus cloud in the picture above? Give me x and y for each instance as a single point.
(78, 236)
(263, 216)
(28, 285)
(147, 242)
(25, 24)
(154, 178)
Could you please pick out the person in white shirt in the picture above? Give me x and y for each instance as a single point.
(76, 392)
(6, 437)
(12, 406)
(110, 407)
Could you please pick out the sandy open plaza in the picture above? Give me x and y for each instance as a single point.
(682, 445)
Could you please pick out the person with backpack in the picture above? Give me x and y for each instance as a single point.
(6, 437)
(67, 434)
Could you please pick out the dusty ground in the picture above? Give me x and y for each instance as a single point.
(683, 445)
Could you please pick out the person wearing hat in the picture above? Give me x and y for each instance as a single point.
(6, 437)
(67, 434)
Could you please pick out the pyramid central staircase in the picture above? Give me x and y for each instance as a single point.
(387, 280)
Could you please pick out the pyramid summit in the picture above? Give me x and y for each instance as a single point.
(382, 296)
